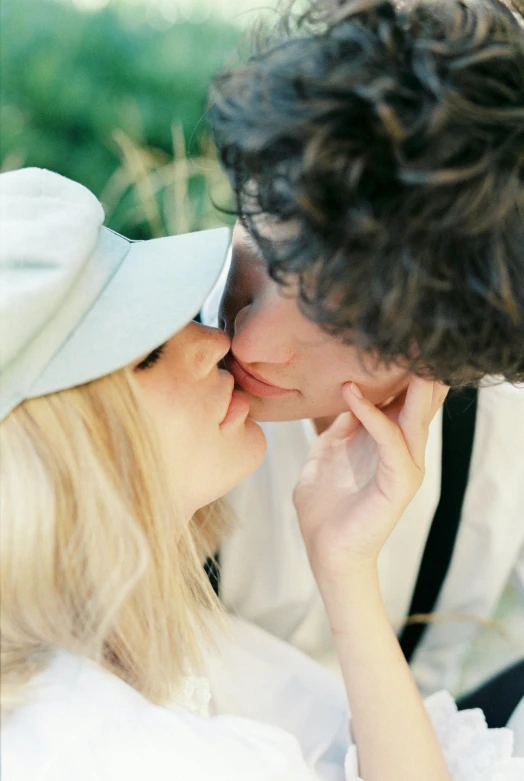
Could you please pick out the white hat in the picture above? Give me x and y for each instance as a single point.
(78, 301)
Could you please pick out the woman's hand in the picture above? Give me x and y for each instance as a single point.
(361, 474)
(359, 478)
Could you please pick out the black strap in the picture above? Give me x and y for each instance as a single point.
(458, 431)
(212, 569)
(498, 697)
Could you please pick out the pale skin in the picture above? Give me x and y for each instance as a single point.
(361, 474)
(273, 340)
(187, 396)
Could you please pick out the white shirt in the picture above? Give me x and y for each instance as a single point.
(79, 722)
(265, 573)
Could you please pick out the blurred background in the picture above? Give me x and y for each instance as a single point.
(112, 93)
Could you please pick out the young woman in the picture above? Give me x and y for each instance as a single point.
(118, 427)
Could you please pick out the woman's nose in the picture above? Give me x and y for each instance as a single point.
(207, 347)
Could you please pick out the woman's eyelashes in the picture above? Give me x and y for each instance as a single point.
(150, 359)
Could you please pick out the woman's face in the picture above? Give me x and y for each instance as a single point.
(208, 442)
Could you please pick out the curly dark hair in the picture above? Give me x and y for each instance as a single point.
(391, 139)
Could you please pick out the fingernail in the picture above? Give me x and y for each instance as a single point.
(356, 390)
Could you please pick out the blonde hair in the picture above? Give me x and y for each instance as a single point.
(96, 557)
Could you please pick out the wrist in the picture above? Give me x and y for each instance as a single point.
(351, 595)
(353, 571)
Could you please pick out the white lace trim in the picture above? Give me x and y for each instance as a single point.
(472, 751)
(195, 695)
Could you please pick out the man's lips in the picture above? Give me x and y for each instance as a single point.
(251, 384)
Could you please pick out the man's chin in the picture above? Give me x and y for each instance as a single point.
(295, 407)
(273, 409)
(280, 409)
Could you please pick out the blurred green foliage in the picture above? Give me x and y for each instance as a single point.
(115, 105)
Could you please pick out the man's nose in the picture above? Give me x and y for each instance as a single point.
(263, 331)
(207, 347)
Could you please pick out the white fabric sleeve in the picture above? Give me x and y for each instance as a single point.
(261, 678)
(169, 746)
(472, 751)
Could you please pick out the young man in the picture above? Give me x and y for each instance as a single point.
(376, 154)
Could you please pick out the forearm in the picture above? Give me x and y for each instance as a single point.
(395, 738)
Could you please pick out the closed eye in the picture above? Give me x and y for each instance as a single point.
(151, 359)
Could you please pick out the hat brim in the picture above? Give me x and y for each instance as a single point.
(158, 288)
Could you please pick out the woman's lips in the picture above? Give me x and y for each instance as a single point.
(238, 408)
(237, 404)
(249, 382)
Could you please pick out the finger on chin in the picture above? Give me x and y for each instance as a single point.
(386, 433)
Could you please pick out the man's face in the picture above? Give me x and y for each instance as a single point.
(287, 365)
